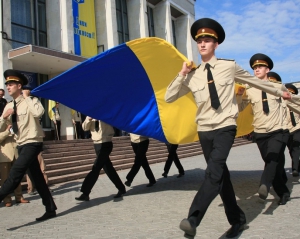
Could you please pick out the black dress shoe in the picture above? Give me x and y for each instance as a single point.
(180, 175)
(150, 184)
(128, 183)
(83, 197)
(263, 192)
(235, 230)
(284, 199)
(46, 216)
(164, 175)
(295, 173)
(120, 194)
(189, 229)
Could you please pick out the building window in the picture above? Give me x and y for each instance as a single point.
(150, 21)
(28, 23)
(174, 33)
(122, 21)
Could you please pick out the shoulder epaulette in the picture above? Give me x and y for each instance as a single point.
(244, 85)
(222, 59)
(275, 81)
(195, 68)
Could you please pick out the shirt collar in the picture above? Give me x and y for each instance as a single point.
(212, 62)
(19, 99)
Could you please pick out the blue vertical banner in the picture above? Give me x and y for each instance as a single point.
(84, 24)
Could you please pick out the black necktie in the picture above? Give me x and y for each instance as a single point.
(57, 111)
(97, 125)
(265, 102)
(293, 118)
(77, 114)
(215, 103)
(14, 118)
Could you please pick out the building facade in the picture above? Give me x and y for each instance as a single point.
(42, 37)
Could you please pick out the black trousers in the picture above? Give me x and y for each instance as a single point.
(172, 148)
(28, 160)
(103, 151)
(78, 130)
(140, 150)
(294, 149)
(271, 146)
(57, 130)
(216, 145)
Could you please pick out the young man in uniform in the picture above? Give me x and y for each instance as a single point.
(213, 88)
(23, 113)
(140, 146)
(76, 120)
(56, 120)
(294, 139)
(102, 134)
(270, 130)
(8, 155)
(3, 101)
(172, 156)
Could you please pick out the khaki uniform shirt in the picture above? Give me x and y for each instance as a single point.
(293, 104)
(8, 146)
(262, 122)
(104, 134)
(283, 105)
(29, 111)
(135, 138)
(296, 110)
(225, 74)
(76, 116)
(56, 115)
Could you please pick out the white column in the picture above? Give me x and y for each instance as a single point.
(5, 44)
(106, 23)
(137, 18)
(162, 21)
(192, 49)
(54, 30)
(66, 23)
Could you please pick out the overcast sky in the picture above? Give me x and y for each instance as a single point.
(269, 27)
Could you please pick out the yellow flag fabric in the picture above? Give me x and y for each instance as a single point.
(245, 118)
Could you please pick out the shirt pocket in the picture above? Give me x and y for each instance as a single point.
(21, 114)
(256, 105)
(199, 93)
(224, 83)
(224, 89)
(274, 102)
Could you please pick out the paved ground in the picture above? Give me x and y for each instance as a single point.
(156, 212)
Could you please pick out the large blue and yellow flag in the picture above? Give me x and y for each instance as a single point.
(125, 87)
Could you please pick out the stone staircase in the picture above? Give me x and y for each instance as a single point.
(68, 160)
